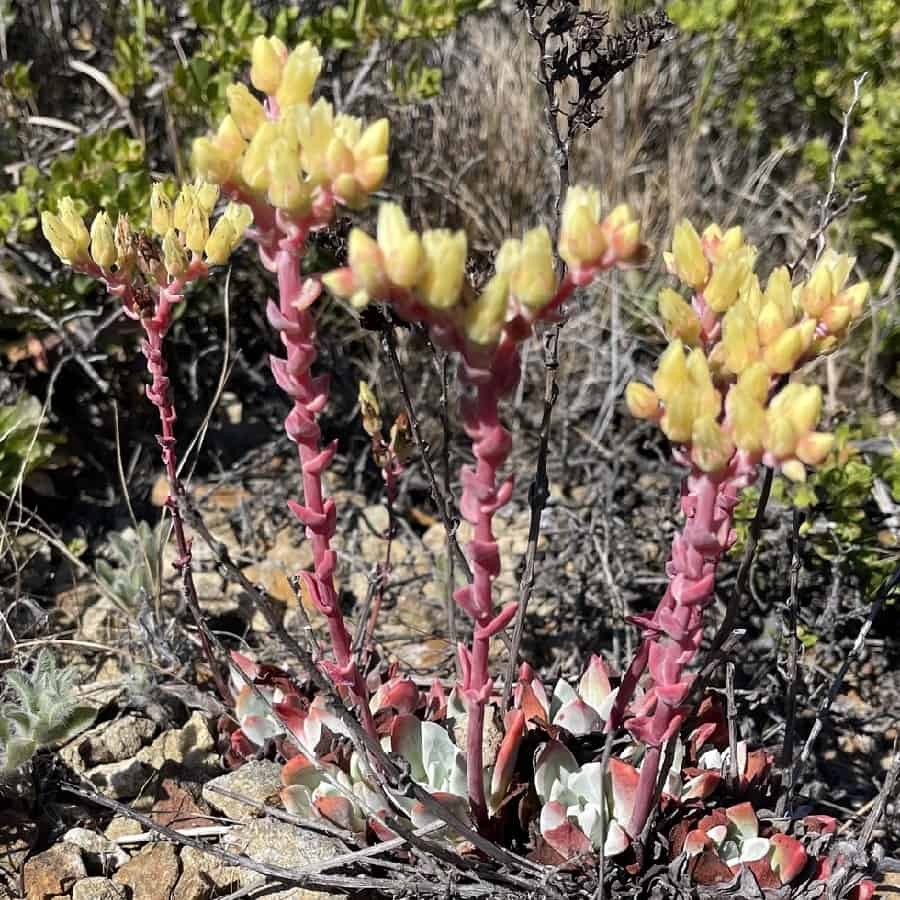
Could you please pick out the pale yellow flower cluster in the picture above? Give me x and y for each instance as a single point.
(183, 227)
(291, 148)
(430, 268)
(716, 398)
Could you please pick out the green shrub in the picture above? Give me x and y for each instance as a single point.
(25, 444)
(818, 47)
(842, 521)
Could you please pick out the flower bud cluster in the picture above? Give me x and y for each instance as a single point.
(182, 230)
(586, 242)
(715, 398)
(425, 273)
(287, 150)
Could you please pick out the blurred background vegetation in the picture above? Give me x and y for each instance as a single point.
(737, 119)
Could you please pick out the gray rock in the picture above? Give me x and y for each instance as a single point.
(191, 744)
(120, 780)
(258, 780)
(53, 872)
(98, 889)
(204, 876)
(110, 742)
(281, 844)
(152, 873)
(96, 848)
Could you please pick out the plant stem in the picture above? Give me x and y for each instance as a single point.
(310, 394)
(160, 396)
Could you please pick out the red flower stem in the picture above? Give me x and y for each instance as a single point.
(482, 497)
(310, 394)
(672, 635)
(159, 393)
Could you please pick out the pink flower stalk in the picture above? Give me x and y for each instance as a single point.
(481, 498)
(671, 636)
(294, 321)
(714, 396)
(422, 277)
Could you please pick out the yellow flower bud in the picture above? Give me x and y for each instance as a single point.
(711, 448)
(207, 195)
(671, 376)
(370, 173)
(241, 217)
(812, 448)
(103, 247)
(404, 264)
(582, 240)
(533, 281)
(58, 237)
(817, 292)
(229, 140)
(255, 164)
(678, 419)
(315, 129)
(680, 317)
(804, 411)
(507, 257)
(74, 224)
(732, 240)
(739, 339)
(780, 438)
(747, 419)
(340, 282)
(183, 202)
(160, 210)
(626, 241)
(266, 65)
(373, 141)
(367, 263)
(754, 382)
(793, 470)
(445, 267)
(784, 352)
(688, 261)
(245, 109)
(642, 401)
(298, 78)
(727, 279)
(836, 318)
(855, 298)
(780, 292)
(618, 217)
(222, 240)
(285, 189)
(196, 233)
(211, 161)
(770, 324)
(486, 317)
(174, 256)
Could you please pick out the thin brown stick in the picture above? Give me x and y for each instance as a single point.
(790, 705)
(443, 502)
(743, 573)
(731, 712)
(538, 494)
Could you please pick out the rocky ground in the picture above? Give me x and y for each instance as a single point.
(155, 746)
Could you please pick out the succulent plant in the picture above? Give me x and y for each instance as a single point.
(576, 817)
(132, 560)
(43, 712)
(580, 711)
(728, 839)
